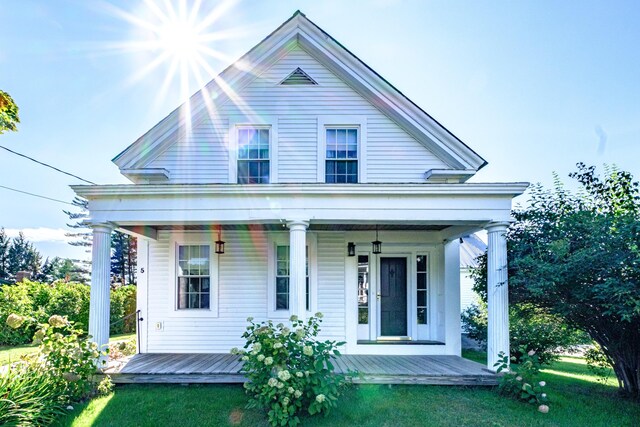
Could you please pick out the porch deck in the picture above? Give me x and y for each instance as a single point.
(372, 369)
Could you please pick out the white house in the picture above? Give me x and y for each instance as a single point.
(298, 157)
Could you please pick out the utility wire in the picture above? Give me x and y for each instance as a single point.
(48, 165)
(36, 195)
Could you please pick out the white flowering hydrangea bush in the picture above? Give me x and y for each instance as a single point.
(521, 381)
(289, 371)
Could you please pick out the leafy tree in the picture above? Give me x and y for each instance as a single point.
(5, 242)
(8, 113)
(23, 256)
(577, 256)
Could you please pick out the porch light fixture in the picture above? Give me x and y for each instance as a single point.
(376, 244)
(351, 249)
(219, 242)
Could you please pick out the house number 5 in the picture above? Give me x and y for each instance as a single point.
(142, 270)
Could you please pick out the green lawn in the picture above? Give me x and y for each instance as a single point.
(10, 354)
(576, 399)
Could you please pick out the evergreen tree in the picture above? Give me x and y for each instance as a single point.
(23, 256)
(4, 254)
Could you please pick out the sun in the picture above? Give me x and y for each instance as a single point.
(179, 36)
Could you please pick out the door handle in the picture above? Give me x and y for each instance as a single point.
(378, 295)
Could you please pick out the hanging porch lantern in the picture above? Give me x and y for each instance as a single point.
(351, 249)
(219, 242)
(376, 244)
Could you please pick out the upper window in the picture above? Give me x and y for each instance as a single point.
(194, 277)
(341, 155)
(253, 156)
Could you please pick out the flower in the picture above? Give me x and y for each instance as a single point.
(286, 331)
(542, 383)
(235, 350)
(518, 378)
(279, 326)
(57, 321)
(543, 408)
(307, 350)
(38, 336)
(272, 382)
(531, 352)
(285, 401)
(260, 357)
(71, 377)
(268, 361)
(69, 408)
(319, 316)
(299, 374)
(299, 332)
(290, 390)
(320, 398)
(297, 394)
(277, 345)
(249, 319)
(284, 375)
(257, 346)
(293, 318)
(245, 358)
(543, 395)
(15, 321)
(280, 385)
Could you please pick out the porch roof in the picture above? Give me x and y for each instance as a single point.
(188, 205)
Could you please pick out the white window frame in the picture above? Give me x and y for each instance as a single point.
(342, 122)
(187, 239)
(282, 239)
(242, 122)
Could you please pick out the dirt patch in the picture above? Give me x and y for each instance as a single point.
(236, 416)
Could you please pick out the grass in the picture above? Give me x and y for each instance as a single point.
(10, 354)
(576, 399)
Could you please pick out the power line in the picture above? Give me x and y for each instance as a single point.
(36, 195)
(47, 165)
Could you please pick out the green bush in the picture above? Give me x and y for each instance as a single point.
(530, 328)
(38, 301)
(289, 371)
(36, 390)
(520, 381)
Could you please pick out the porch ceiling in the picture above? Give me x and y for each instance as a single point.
(312, 227)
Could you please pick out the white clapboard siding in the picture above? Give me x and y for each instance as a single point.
(331, 296)
(202, 157)
(242, 293)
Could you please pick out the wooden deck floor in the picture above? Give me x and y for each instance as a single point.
(373, 369)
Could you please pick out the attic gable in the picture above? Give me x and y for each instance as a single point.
(299, 30)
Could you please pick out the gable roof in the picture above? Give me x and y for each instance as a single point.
(338, 59)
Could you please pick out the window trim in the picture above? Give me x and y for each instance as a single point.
(187, 239)
(350, 122)
(243, 122)
(282, 239)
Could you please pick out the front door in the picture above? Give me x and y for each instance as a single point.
(393, 297)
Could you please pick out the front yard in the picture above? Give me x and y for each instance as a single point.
(576, 399)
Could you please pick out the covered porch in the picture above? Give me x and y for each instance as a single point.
(370, 369)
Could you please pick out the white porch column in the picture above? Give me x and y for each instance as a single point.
(298, 266)
(100, 284)
(497, 293)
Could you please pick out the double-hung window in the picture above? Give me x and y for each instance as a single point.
(194, 277)
(341, 165)
(253, 155)
(282, 289)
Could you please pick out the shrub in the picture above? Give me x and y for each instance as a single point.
(520, 381)
(530, 328)
(289, 371)
(38, 301)
(598, 363)
(118, 350)
(36, 390)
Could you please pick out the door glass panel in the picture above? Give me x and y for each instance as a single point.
(363, 289)
(422, 289)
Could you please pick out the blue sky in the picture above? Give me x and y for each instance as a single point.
(533, 87)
